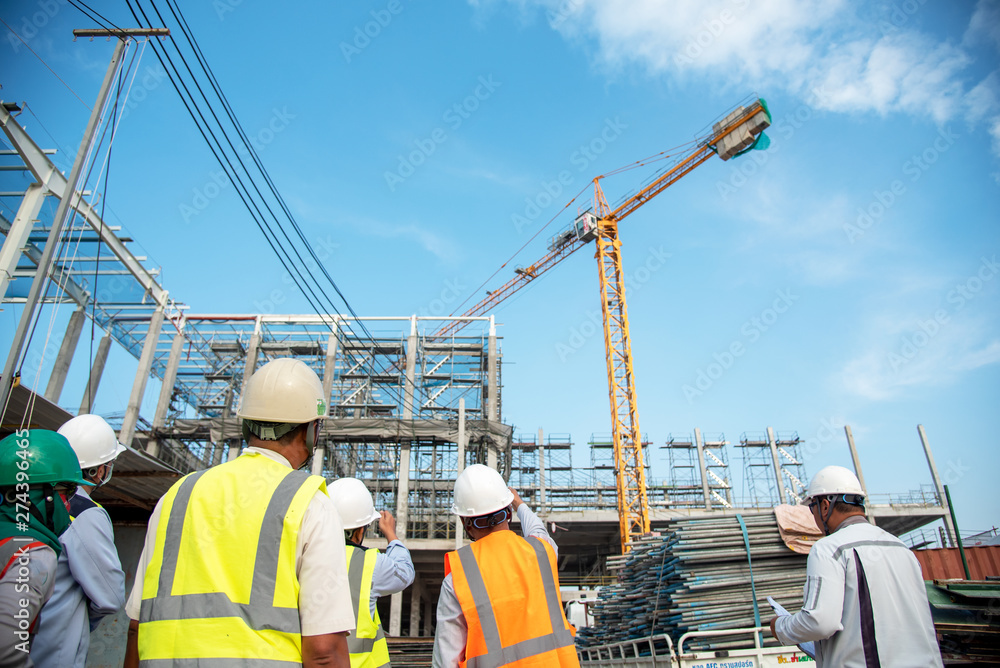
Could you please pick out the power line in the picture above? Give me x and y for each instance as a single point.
(46, 65)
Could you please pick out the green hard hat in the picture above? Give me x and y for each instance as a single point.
(40, 456)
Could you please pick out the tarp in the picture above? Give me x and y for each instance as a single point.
(797, 527)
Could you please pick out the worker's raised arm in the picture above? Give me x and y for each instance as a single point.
(530, 524)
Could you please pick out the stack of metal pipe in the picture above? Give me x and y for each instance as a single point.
(695, 576)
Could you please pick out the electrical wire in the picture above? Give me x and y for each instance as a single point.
(87, 11)
(243, 190)
(196, 49)
(46, 65)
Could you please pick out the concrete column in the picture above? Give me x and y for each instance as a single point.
(949, 526)
(460, 466)
(250, 361)
(777, 464)
(95, 375)
(541, 471)
(432, 518)
(857, 471)
(166, 391)
(403, 475)
(328, 370)
(702, 468)
(17, 236)
(416, 594)
(428, 617)
(141, 377)
(234, 450)
(65, 356)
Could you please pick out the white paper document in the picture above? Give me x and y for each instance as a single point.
(807, 647)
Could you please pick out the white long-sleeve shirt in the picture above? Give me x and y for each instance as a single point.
(452, 632)
(863, 585)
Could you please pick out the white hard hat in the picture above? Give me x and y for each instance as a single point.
(284, 390)
(93, 440)
(834, 480)
(353, 502)
(480, 490)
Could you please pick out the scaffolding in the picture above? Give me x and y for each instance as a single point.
(772, 468)
(699, 472)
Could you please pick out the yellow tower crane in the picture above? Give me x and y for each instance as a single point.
(738, 131)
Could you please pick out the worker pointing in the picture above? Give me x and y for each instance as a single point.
(244, 563)
(372, 573)
(864, 602)
(499, 603)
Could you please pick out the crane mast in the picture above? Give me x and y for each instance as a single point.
(738, 132)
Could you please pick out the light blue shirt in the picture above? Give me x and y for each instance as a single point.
(90, 584)
(393, 572)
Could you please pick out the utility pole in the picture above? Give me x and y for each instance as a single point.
(62, 212)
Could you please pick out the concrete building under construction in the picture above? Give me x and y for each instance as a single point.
(408, 408)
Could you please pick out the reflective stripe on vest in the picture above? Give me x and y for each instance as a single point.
(196, 613)
(497, 655)
(366, 644)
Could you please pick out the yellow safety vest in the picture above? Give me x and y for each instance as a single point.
(221, 581)
(367, 644)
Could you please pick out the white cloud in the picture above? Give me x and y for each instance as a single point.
(908, 352)
(857, 63)
(985, 24)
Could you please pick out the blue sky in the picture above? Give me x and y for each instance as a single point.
(871, 222)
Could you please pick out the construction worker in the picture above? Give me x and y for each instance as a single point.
(499, 603)
(90, 583)
(39, 473)
(244, 562)
(864, 602)
(372, 573)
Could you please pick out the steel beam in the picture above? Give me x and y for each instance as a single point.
(777, 464)
(948, 524)
(59, 370)
(17, 234)
(96, 371)
(141, 376)
(166, 391)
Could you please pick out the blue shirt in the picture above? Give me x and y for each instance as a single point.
(393, 572)
(90, 584)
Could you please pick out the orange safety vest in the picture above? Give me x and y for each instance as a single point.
(508, 588)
